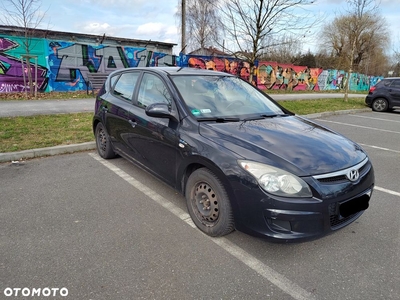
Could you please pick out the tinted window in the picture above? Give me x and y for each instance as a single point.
(395, 83)
(126, 85)
(153, 90)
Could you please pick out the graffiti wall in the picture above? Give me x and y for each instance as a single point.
(63, 66)
(272, 75)
(69, 63)
(223, 64)
(13, 70)
(337, 79)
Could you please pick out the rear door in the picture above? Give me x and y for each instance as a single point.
(118, 117)
(394, 91)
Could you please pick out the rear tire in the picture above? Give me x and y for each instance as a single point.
(103, 143)
(380, 105)
(208, 203)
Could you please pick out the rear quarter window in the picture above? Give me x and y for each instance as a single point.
(395, 83)
(384, 83)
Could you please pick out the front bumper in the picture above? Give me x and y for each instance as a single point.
(334, 206)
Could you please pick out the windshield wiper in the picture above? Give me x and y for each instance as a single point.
(219, 119)
(274, 115)
(263, 116)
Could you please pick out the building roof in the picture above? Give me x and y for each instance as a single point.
(52, 34)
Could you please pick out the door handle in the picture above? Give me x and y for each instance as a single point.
(133, 123)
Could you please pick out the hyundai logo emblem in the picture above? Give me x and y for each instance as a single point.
(353, 175)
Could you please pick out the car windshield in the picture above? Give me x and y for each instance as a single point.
(224, 98)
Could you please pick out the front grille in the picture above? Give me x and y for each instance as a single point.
(336, 220)
(363, 170)
(340, 176)
(333, 179)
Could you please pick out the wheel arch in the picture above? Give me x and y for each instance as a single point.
(96, 121)
(201, 162)
(381, 97)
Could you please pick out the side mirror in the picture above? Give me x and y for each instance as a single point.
(160, 110)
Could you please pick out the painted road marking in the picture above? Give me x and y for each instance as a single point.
(359, 126)
(379, 119)
(379, 148)
(387, 191)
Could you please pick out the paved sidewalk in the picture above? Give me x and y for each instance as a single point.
(45, 107)
(62, 106)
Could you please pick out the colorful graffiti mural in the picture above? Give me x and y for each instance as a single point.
(272, 75)
(63, 66)
(69, 63)
(12, 69)
(223, 64)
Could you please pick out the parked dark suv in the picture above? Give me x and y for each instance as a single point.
(385, 95)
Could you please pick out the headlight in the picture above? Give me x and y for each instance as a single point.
(276, 181)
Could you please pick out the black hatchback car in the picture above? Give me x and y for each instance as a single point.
(242, 161)
(385, 95)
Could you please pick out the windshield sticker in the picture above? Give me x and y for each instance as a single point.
(205, 111)
(196, 112)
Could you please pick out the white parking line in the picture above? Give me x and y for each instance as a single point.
(387, 191)
(379, 119)
(258, 266)
(359, 126)
(379, 148)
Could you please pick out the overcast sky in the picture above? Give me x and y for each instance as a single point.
(155, 20)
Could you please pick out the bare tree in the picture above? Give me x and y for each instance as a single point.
(25, 14)
(203, 24)
(356, 37)
(395, 61)
(282, 50)
(255, 25)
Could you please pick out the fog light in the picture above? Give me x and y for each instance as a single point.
(279, 225)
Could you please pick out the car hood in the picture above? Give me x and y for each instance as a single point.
(292, 143)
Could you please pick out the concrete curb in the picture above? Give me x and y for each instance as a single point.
(335, 113)
(14, 156)
(49, 151)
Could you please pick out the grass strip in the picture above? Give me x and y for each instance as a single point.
(23, 133)
(305, 107)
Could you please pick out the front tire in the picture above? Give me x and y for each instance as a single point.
(208, 203)
(103, 143)
(380, 105)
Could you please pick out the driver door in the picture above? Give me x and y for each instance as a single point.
(156, 139)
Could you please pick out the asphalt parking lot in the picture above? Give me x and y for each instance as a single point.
(108, 230)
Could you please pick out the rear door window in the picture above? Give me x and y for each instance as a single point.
(125, 85)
